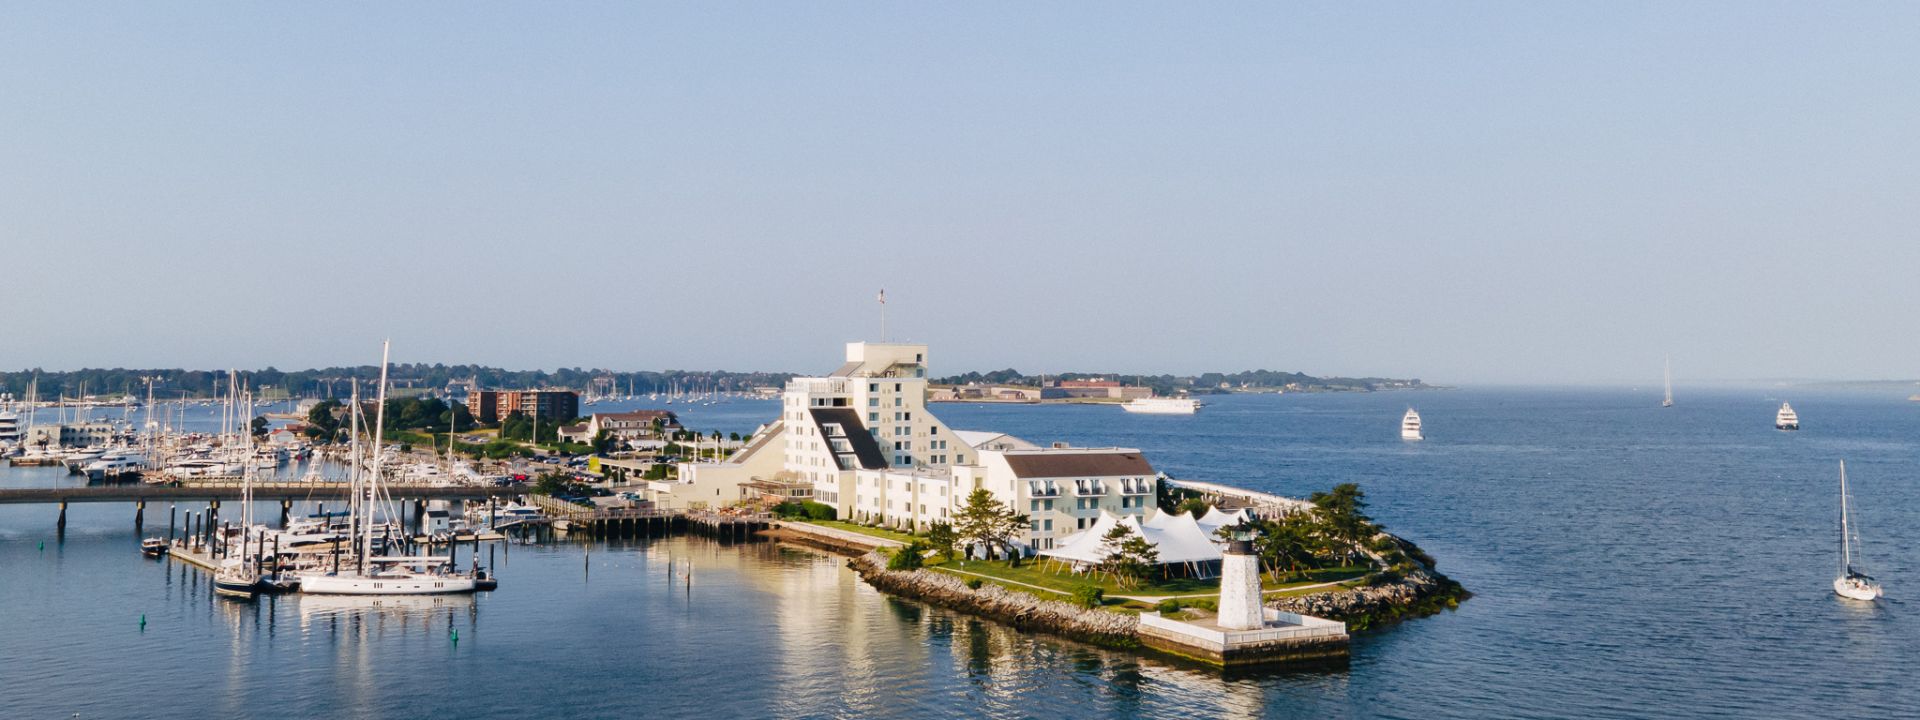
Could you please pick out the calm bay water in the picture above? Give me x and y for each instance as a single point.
(1628, 561)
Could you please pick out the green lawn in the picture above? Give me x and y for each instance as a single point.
(862, 529)
(1034, 573)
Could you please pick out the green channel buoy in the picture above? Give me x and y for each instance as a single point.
(456, 637)
(43, 546)
(143, 621)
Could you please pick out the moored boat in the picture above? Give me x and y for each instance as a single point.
(1410, 425)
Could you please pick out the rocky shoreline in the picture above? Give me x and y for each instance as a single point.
(1389, 596)
(1017, 609)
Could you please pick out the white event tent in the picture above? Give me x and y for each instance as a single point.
(1179, 539)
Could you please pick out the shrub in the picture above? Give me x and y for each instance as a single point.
(910, 557)
(1089, 597)
(1168, 606)
(974, 583)
(818, 511)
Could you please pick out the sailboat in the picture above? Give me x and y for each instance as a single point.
(1668, 402)
(1410, 425)
(385, 575)
(1852, 583)
(239, 575)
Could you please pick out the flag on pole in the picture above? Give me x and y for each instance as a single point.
(883, 297)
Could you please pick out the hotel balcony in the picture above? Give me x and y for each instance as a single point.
(1084, 488)
(1130, 486)
(1043, 490)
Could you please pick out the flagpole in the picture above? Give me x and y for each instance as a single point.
(883, 316)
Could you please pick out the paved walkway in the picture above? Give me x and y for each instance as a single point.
(1141, 598)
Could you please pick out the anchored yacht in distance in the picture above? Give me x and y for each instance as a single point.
(1786, 419)
(1410, 425)
(1162, 406)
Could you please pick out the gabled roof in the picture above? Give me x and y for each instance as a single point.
(865, 449)
(1077, 463)
(977, 440)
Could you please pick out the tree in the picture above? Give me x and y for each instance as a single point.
(259, 426)
(604, 441)
(1194, 506)
(941, 537)
(987, 522)
(1342, 509)
(322, 426)
(1287, 542)
(1129, 557)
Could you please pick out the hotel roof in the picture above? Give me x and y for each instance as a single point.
(1077, 463)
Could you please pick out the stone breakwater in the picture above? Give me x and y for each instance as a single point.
(1416, 590)
(1018, 609)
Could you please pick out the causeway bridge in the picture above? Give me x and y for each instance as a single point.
(262, 492)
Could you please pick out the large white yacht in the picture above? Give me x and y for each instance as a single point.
(1786, 419)
(1410, 425)
(9, 422)
(1162, 406)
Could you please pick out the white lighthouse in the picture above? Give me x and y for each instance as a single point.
(1240, 607)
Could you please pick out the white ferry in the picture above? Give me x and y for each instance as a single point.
(1786, 419)
(1163, 406)
(1410, 425)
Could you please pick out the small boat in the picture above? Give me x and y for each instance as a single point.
(1852, 584)
(1162, 406)
(154, 547)
(1786, 419)
(1914, 397)
(236, 580)
(1410, 425)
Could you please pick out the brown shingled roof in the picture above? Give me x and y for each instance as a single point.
(1078, 464)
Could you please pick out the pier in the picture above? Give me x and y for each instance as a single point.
(294, 491)
(649, 522)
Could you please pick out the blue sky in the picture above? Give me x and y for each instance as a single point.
(1487, 192)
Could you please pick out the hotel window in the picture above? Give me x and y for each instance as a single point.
(873, 387)
(1033, 506)
(873, 402)
(896, 387)
(873, 417)
(1034, 526)
(1049, 526)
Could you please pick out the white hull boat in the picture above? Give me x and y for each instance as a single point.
(1852, 584)
(1410, 425)
(1162, 406)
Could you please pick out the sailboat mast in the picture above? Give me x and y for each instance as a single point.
(1846, 535)
(379, 430)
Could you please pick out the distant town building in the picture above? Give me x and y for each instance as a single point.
(490, 406)
(1097, 388)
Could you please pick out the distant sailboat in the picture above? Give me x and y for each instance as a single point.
(1852, 583)
(1669, 401)
(1410, 425)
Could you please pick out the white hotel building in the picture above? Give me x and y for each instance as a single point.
(863, 438)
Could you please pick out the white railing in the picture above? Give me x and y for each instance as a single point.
(1292, 627)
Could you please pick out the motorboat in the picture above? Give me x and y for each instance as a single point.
(1410, 425)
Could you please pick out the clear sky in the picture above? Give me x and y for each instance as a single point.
(1495, 192)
